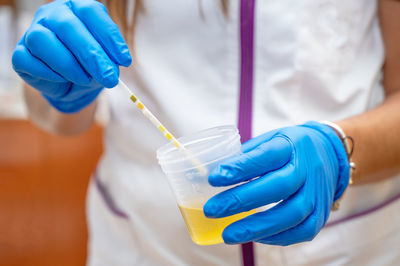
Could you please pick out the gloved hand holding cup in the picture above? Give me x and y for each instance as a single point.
(303, 168)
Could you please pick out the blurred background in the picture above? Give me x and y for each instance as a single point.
(43, 178)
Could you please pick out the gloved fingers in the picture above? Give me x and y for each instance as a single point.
(44, 44)
(70, 107)
(51, 89)
(264, 190)
(37, 74)
(285, 215)
(24, 62)
(254, 142)
(89, 53)
(266, 157)
(94, 15)
(77, 92)
(305, 231)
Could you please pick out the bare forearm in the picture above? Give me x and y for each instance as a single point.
(377, 142)
(377, 133)
(46, 117)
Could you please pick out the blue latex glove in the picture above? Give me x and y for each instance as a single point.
(305, 167)
(71, 51)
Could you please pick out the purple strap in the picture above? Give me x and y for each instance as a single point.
(108, 200)
(246, 91)
(246, 67)
(366, 212)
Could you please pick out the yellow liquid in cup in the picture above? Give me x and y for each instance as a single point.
(207, 231)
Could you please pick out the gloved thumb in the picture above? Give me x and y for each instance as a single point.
(266, 157)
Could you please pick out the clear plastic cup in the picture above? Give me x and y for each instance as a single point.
(191, 187)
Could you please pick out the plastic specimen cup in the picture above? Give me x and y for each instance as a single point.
(190, 186)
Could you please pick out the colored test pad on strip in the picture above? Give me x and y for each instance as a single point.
(154, 120)
(146, 112)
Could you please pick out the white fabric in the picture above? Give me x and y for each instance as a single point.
(12, 104)
(113, 243)
(314, 60)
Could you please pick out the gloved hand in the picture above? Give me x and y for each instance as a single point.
(304, 167)
(71, 51)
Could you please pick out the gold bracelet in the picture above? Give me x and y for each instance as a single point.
(349, 148)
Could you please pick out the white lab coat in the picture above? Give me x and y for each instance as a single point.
(314, 60)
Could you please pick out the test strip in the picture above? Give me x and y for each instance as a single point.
(146, 112)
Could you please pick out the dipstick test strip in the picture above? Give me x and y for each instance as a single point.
(146, 112)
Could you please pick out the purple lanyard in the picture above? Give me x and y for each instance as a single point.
(246, 90)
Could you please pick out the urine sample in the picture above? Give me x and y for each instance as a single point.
(207, 231)
(210, 147)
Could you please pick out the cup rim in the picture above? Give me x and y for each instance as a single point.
(169, 147)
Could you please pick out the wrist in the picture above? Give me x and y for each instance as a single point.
(342, 156)
(348, 145)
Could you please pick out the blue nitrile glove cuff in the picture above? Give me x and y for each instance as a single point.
(70, 107)
(343, 160)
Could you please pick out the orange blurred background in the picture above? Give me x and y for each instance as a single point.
(43, 181)
(43, 178)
